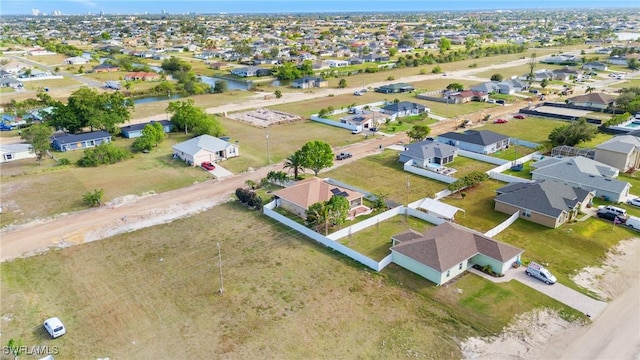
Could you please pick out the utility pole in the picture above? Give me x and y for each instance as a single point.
(268, 153)
(406, 212)
(220, 265)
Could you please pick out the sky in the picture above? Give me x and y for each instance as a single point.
(74, 7)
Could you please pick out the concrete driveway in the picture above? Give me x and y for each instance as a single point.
(219, 172)
(564, 294)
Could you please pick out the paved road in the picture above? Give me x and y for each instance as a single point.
(82, 79)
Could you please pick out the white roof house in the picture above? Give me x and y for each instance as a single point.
(11, 152)
(205, 148)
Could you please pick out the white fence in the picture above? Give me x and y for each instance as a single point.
(330, 240)
(502, 226)
(481, 157)
(527, 144)
(496, 172)
(408, 166)
(442, 194)
(50, 77)
(268, 210)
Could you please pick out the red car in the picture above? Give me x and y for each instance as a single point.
(207, 165)
(518, 116)
(500, 121)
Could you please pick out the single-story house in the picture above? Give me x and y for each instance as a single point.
(366, 119)
(428, 152)
(142, 75)
(336, 63)
(508, 86)
(375, 58)
(68, 142)
(15, 67)
(595, 100)
(448, 250)
(583, 173)
(11, 82)
(547, 203)
(310, 82)
(12, 152)
(105, 67)
(395, 88)
(561, 60)
(298, 197)
(466, 96)
(135, 130)
(404, 108)
(76, 60)
(595, 65)
(621, 152)
(220, 66)
(205, 148)
(564, 74)
(249, 71)
(481, 142)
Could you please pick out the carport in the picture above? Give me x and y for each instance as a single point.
(439, 209)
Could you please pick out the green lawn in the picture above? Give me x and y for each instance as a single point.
(375, 241)
(50, 83)
(465, 166)
(532, 129)
(478, 205)
(525, 173)
(283, 294)
(382, 173)
(627, 84)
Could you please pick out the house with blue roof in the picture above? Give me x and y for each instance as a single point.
(70, 142)
(135, 130)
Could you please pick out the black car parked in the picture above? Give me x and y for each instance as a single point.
(610, 216)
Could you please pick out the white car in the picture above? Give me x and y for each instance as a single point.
(54, 327)
(634, 202)
(357, 93)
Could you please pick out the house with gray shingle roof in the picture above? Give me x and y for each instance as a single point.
(428, 152)
(622, 152)
(443, 252)
(481, 142)
(205, 148)
(547, 203)
(583, 173)
(404, 108)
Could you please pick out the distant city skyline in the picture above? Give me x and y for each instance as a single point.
(80, 7)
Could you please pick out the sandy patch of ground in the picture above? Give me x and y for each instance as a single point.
(264, 117)
(530, 333)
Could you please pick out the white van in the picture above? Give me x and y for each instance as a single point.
(633, 222)
(54, 327)
(539, 272)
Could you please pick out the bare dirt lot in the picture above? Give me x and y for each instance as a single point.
(264, 117)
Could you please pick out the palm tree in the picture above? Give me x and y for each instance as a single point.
(589, 89)
(294, 162)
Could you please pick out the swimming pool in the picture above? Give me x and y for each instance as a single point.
(633, 125)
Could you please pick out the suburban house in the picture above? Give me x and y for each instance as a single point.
(621, 152)
(76, 60)
(595, 65)
(466, 96)
(547, 203)
(336, 63)
(104, 67)
(599, 101)
(11, 152)
(142, 75)
(298, 197)
(561, 60)
(11, 82)
(448, 250)
(481, 142)
(395, 88)
(69, 142)
(375, 58)
(205, 148)
(220, 66)
(15, 67)
(583, 173)
(310, 82)
(428, 152)
(249, 71)
(508, 86)
(135, 130)
(366, 119)
(404, 108)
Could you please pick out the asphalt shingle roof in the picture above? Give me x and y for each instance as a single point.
(207, 142)
(623, 144)
(581, 170)
(429, 149)
(448, 244)
(72, 138)
(482, 137)
(545, 197)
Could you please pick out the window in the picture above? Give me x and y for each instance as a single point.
(448, 273)
(460, 267)
(526, 213)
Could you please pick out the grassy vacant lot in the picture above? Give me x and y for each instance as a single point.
(204, 101)
(627, 84)
(283, 141)
(534, 129)
(50, 83)
(57, 59)
(154, 292)
(382, 173)
(375, 241)
(478, 205)
(517, 70)
(104, 76)
(24, 181)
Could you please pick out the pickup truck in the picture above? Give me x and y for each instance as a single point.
(343, 156)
